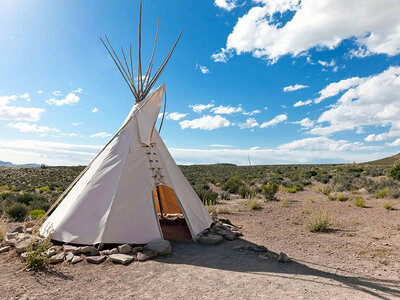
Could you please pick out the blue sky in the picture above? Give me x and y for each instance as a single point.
(281, 81)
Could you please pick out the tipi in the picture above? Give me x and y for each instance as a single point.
(119, 196)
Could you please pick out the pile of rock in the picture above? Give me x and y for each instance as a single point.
(19, 238)
(263, 253)
(220, 229)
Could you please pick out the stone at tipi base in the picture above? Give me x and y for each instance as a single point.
(283, 258)
(94, 252)
(146, 255)
(58, 258)
(76, 259)
(124, 249)
(18, 229)
(210, 239)
(5, 249)
(121, 258)
(95, 259)
(161, 247)
(11, 242)
(85, 249)
(51, 251)
(21, 246)
(69, 248)
(24, 255)
(69, 257)
(114, 251)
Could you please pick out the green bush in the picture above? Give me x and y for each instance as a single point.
(319, 221)
(359, 202)
(292, 189)
(25, 198)
(270, 190)
(17, 211)
(342, 198)
(233, 185)
(37, 214)
(36, 258)
(395, 172)
(225, 196)
(388, 206)
(381, 193)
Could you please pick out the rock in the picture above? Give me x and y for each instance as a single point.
(5, 249)
(11, 242)
(106, 252)
(264, 257)
(95, 259)
(100, 247)
(237, 232)
(161, 247)
(58, 258)
(121, 258)
(94, 252)
(226, 221)
(29, 224)
(51, 252)
(18, 229)
(29, 230)
(145, 255)
(24, 255)
(72, 249)
(23, 236)
(76, 259)
(85, 249)
(114, 251)
(124, 249)
(21, 246)
(210, 239)
(226, 233)
(283, 258)
(69, 257)
(137, 249)
(12, 235)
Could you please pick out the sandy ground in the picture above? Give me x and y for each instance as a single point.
(358, 259)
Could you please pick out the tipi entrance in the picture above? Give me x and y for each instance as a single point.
(172, 221)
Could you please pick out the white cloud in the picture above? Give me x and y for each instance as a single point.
(306, 122)
(25, 96)
(250, 123)
(57, 93)
(206, 123)
(226, 4)
(175, 116)
(222, 56)
(316, 24)
(26, 127)
(203, 69)
(251, 113)
(295, 87)
(101, 135)
(95, 110)
(302, 103)
(373, 102)
(226, 110)
(70, 99)
(221, 146)
(198, 108)
(18, 113)
(395, 143)
(40, 92)
(76, 124)
(274, 121)
(335, 88)
(78, 91)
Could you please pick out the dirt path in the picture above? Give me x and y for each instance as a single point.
(360, 259)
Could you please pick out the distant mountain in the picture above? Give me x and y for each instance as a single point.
(391, 160)
(8, 164)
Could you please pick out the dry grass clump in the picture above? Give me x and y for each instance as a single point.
(3, 228)
(284, 202)
(359, 202)
(381, 193)
(388, 206)
(319, 220)
(253, 203)
(342, 198)
(36, 258)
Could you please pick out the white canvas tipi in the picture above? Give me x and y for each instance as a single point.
(118, 197)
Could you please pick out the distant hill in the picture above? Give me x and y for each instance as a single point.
(391, 160)
(8, 164)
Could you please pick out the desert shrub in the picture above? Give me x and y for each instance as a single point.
(395, 192)
(36, 214)
(326, 190)
(3, 228)
(218, 184)
(284, 202)
(395, 172)
(381, 193)
(388, 206)
(292, 189)
(36, 258)
(225, 196)
(244, 191)
(25, 198)
(324, 178)
(319, 221)
(270, 190)
(38, 204)
(331, 197)
(359, 202)
(17, 211)
(253, 203)
(342, 198)
(206, 195)
(223, 209)
(232, 185)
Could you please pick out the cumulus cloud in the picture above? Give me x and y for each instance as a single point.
(226, 4)
(198, 108)
(295, 87)
(77, 124)
(18, 113)
(175, 116)
(306, 122)
(222, 56)
(335, 88)
(40, 92)
(206, 123)
(78, 91)
(203, 69)
(274, 121)
(302, 103)
(250, 123)
(95, 110)
(26, 127)
(315, 24)
(101, 135)
(251, 113)
(374, 101)
(56, 93)
(25, 96)
(226, 110)
(221, 146)
(70, 99)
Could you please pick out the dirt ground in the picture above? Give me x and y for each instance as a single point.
(358, 259)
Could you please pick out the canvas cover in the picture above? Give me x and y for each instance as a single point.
(113, 201)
